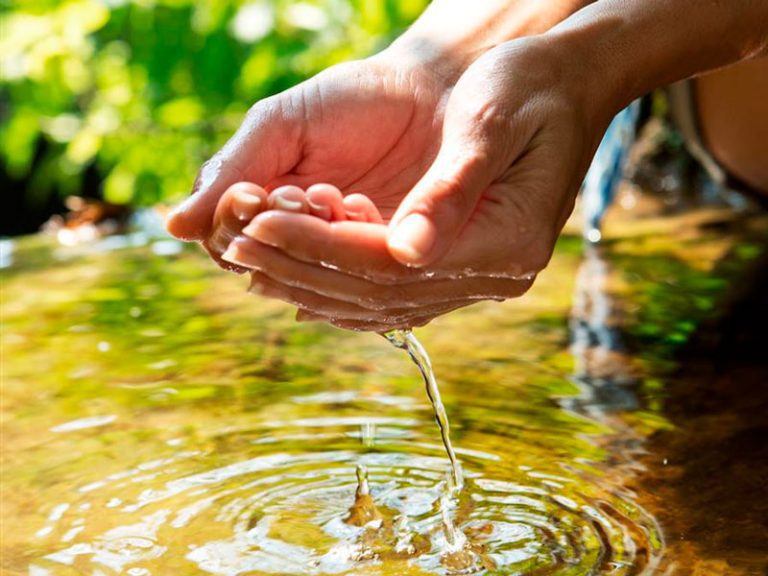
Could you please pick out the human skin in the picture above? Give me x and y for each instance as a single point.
(371, 126)
(733, 118)
(243, 201)
(519, 130)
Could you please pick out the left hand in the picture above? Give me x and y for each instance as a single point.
(520, 130)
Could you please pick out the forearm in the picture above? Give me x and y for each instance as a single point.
(451, 34)
(625, 48)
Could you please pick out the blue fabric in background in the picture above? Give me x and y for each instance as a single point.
(607, 169)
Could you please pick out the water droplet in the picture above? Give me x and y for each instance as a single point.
(594, 235)
(368, 434)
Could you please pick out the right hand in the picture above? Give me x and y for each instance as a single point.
(520, 128)
(371, 126)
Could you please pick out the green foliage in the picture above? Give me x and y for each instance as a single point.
(143, 91)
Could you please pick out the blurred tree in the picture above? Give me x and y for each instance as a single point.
(130, 96)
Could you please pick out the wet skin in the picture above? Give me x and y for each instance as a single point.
(473, 153)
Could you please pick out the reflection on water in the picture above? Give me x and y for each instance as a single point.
(602, 369)
(157, 420)
(274, 508)
(6, 253)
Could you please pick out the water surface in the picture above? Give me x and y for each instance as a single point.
(158, 420)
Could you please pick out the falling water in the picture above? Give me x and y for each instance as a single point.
(406, 340)
(457, 555)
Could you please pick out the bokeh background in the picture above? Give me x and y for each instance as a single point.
(124, 99)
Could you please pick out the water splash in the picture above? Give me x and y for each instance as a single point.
(290, 508)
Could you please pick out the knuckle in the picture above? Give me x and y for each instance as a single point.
(261, 109)
(449, 195)
(453, 192)
(487, 121)
(208, 171)
(491, 118)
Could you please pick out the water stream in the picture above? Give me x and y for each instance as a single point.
(457, 554)
(406, 340)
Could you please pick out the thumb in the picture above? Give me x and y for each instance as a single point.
(434, 213)
(258, 152)
(193, 218)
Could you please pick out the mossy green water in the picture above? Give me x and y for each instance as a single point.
(156, 418)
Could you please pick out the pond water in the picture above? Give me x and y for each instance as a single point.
(158, 420)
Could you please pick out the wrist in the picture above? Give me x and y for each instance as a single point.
(452, 34)
(592, 72)
(445, 63)
(625, 50)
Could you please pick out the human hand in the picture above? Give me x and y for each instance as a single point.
(371, 127)
(520, 130)
(243, 201)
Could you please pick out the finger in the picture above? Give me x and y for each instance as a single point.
(357, 248)
(475, 150)
(360, 208)
(266, 145)
(397, 323)
(315, 303)
(515, 226)
(303, 315)
(236, 208)
(368, 294)
(326, 202)
(288, 199)
(435, 211)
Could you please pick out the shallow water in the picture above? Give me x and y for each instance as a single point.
(158, 420)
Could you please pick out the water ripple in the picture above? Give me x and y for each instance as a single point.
(274, 509)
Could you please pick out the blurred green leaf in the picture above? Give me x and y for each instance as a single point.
(18, 139)
(180, 112)
(145, 91)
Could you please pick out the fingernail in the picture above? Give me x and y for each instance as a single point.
(230, 254)
(245, 205)
(320, 210)
(413, 238)
(282, 203)
(359, 216)
(315, 205)
(262, 233)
